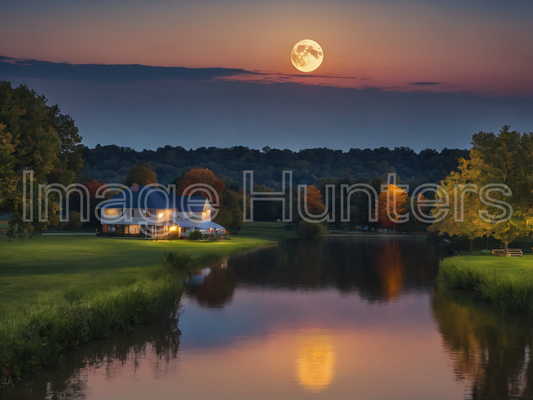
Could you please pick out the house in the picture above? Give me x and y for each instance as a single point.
(149, 211)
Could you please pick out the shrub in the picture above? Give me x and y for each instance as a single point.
(311, 230)
(73, 223)
(486, 252)
(195, 235)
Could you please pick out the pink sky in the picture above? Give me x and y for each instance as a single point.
(479, 47)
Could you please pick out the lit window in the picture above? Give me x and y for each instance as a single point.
(112, 212)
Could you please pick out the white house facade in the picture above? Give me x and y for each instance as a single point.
(147, 211)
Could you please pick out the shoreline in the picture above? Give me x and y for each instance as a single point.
(506, 282)
(373, 235)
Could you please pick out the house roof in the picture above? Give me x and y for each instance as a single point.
(185, 223)
(198, 224)
(148, 197)
(210, 225)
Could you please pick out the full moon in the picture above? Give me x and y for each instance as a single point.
(307, 55)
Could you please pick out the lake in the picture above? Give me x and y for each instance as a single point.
(336, 318)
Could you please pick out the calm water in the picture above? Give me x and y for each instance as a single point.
(341, 318)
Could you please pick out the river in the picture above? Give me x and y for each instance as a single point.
(336, 318)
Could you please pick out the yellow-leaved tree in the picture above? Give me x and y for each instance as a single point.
(491, 193)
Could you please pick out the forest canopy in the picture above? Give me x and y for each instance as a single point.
(111, 163)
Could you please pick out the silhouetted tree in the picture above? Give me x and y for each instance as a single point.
(37, 137)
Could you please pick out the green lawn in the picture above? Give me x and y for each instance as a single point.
(36, 270)
(268, 231)
(499, 264)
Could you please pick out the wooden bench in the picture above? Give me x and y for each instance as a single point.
(510, 252)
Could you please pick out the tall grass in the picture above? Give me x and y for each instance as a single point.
(43, 334)
(161, 338)
(512, 291)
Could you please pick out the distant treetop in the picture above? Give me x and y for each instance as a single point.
(111, 163)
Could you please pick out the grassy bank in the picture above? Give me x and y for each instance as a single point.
(507, 282)
(59, 291)
(35, 271)
(41, 335)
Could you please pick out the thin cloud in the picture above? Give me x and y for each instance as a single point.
(321, 76)
(15, 68)
(24, 69)
(425, 83)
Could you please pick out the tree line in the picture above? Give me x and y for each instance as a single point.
(111, 163)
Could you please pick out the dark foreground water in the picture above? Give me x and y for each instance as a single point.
(339, 318)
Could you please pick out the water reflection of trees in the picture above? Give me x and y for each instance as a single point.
(69, 381)
(379, 269)
(391, 271)
(489, 348)
(217, 288)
